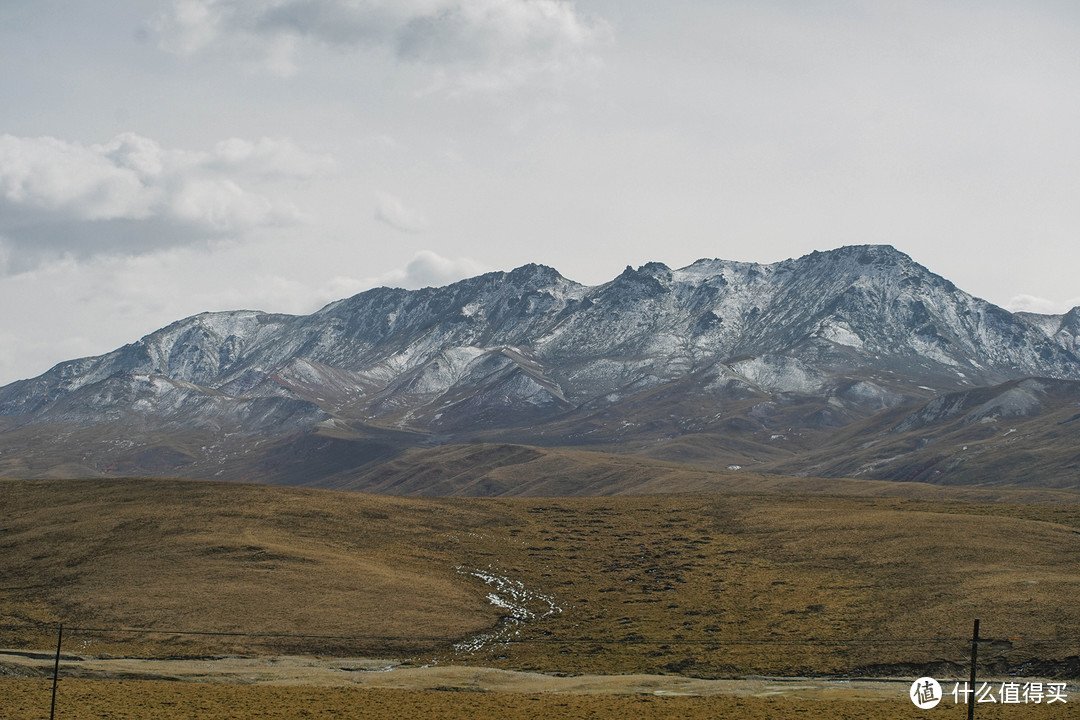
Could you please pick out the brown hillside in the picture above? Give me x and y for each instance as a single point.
(709, 585)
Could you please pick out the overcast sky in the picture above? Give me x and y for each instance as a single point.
(160, 158)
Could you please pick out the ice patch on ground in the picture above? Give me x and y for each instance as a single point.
(522, 606)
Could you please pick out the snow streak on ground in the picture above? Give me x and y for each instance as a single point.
(521, 604)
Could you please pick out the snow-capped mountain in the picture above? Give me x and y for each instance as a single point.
(654, 355)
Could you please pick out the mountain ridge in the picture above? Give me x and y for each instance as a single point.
(822, 341)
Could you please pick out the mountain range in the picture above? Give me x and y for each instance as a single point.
(853, 362)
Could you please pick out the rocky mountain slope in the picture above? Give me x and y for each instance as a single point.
(719, 363)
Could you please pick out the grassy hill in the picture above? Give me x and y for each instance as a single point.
(510, 470)
(807, 580)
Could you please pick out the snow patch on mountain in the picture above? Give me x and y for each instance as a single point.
(781, 374)
(839, 332)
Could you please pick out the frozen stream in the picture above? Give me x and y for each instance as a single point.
(521, 604)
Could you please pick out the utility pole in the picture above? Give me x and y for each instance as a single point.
(56, 671)
(974, 659)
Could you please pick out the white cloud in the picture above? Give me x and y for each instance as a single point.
(392, 211)
(429, 269)
(87, 183)
(426, 269)
(53, 192)
(268, 157)
(1043, 306)
(484, 44)
(221, 205)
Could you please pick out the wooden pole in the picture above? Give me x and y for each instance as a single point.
(974, 659)
(56, 671)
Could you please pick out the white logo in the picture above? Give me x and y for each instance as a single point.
(925, 693)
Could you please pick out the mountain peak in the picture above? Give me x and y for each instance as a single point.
(648, 270)
(861, 254)
(537, 274)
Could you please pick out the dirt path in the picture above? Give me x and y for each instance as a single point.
(372, 673)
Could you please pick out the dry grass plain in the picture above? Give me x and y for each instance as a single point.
(709, 585)
(138, 700)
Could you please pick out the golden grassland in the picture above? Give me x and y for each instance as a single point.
(709, 585)
(24, 699)
(231, 557)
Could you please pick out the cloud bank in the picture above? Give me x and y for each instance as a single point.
(483, 44)
(130, 194)
(429, 269)
(426, 269)
(1042, 306)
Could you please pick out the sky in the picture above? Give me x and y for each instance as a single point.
(161, 158)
